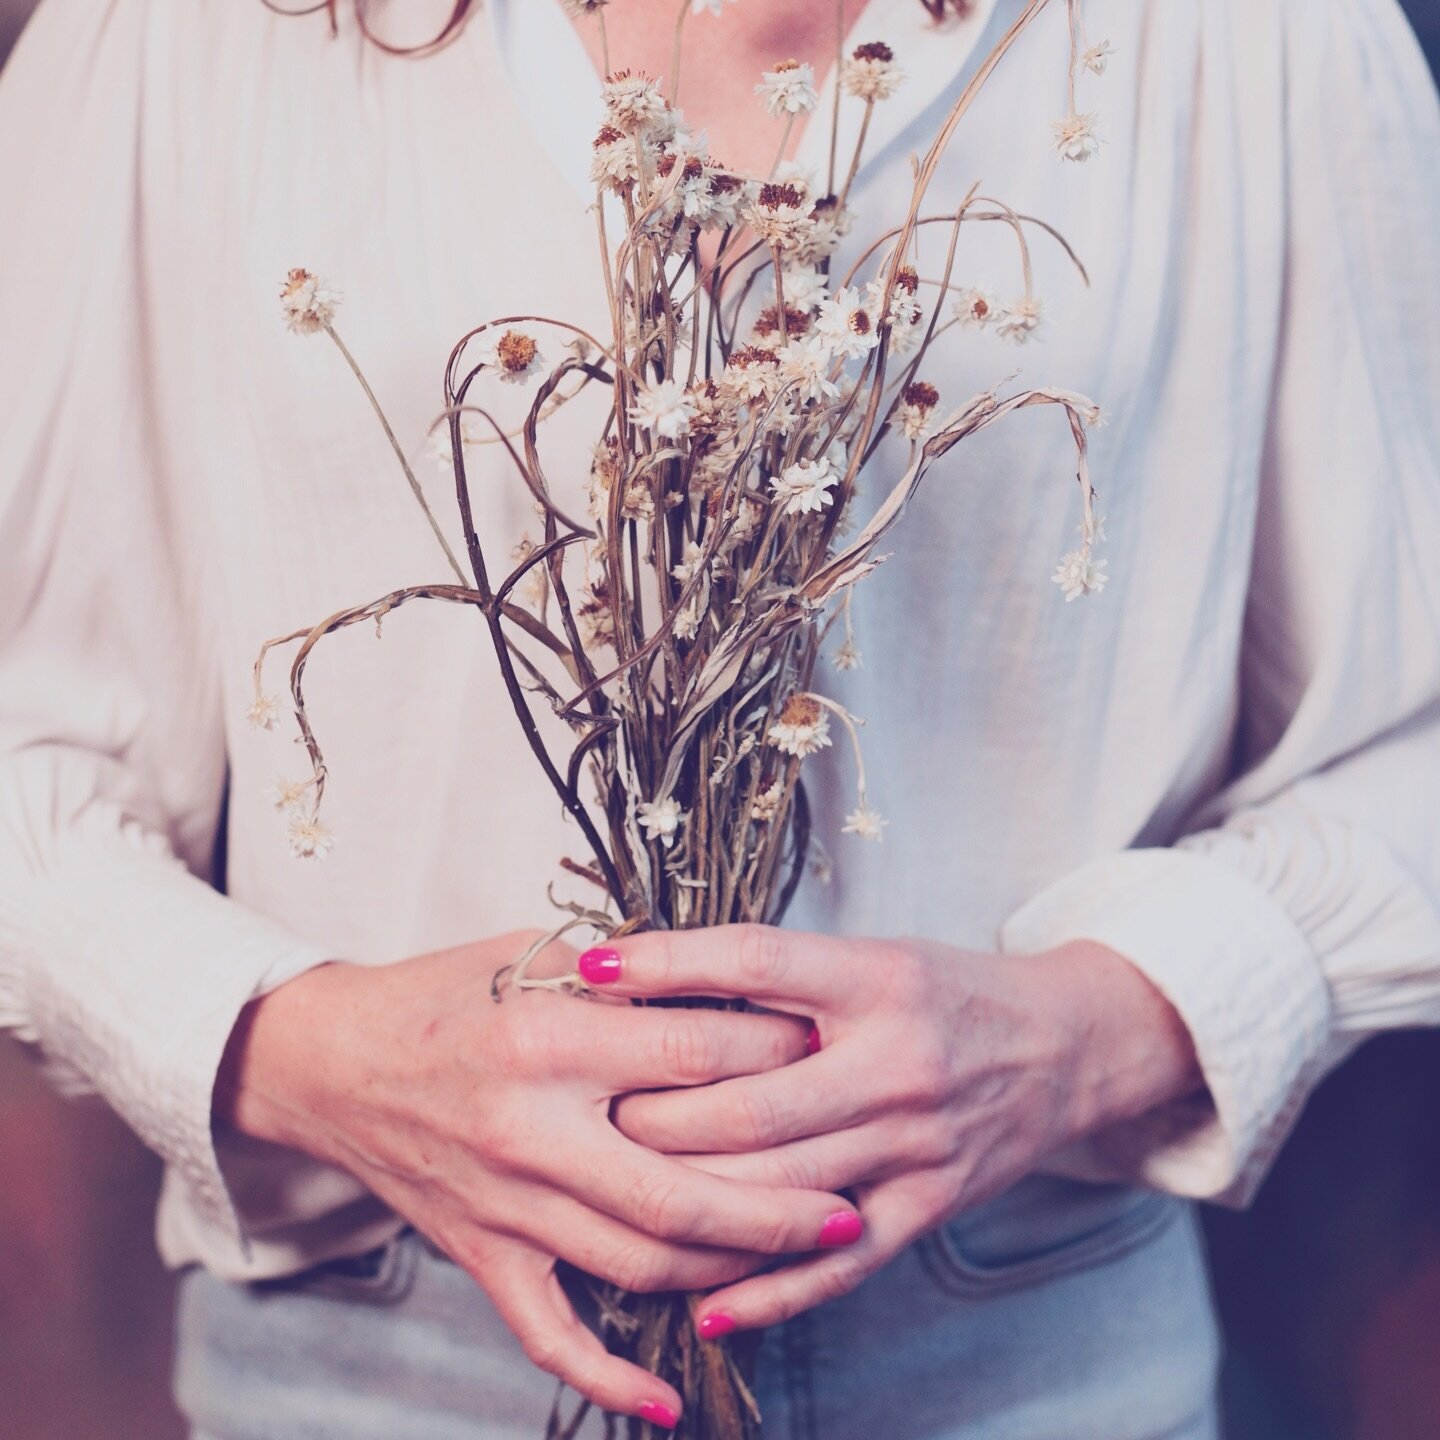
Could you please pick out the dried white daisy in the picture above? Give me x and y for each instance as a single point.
(307, 302)
(804, 487)
(805, 372)
(847, 657)
(686, 568)
(846, 325)
(802, 729)
(665, 408)
(766, 805)
(975, 309)
(634, 104)
(917, 405)
(1079, 573)
(286, 794)
(1075, 137)
(870, 73)
(829, 225)
(613, 160)
(1097, 57)
(805, 287)
(661, 819)
(788, 88)
(512, 354)
(781, 215)
(309, 839)
(264, 713)
(1020, 319)
(864, 822)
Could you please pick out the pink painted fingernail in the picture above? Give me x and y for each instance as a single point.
(600, 966)
(658, 1414)
(844, 1227)
(812, 1041)
(715, 1324)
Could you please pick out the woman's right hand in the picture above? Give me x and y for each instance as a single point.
(488, 1128)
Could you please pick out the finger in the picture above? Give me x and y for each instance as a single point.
(649, 1047)
(801, 973)
(892, 1220)
(671, 1201)
(606, 1247)
(523, 1288)
(838, 1161)
(754, 1112)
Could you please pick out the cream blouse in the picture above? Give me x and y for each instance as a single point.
(1226, 765)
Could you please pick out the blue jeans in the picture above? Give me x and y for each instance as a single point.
(1058, 1312)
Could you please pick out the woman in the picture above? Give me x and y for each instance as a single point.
(1168, 856)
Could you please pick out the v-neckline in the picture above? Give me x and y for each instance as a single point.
(557, 89)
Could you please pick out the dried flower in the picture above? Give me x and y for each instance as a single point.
(688, 566)
(264, 713)
(288, 794)
(1075, 137)
(612, 158)
(309, 839)
(805, 287)
(1079, 573)
(802, 729)
(975, 309)
(864, 822)
(917, 404)
(781, 215)
(829, 225)
(512, 354)
(634, 104)
(661, 819)
(766, 804)
(847, 325)
(804, 487)
(847, 657)
(1097, 57)
(307, 302)
(665, 408)
(788, 88)
(1020, 320)
(871, 73)
(805, 372)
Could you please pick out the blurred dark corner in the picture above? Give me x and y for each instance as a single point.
(1329, 1286)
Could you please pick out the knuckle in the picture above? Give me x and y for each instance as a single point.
(635, 1268)
(840, 1277)
(687, 1049)
(758, 1124)
(771, 1235)
(922, 1077)
(544, 1350)
(760, 956)
(658, 1206)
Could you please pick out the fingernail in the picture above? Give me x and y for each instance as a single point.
(716, 1324)
(600, 966)
(844, 1227)
(658, 1414)
(812, 1041)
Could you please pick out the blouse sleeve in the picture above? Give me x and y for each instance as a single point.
(1303, 913)
(118, 961)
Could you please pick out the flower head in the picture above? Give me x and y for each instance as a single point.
(512, 354)
(864, 822)
(847, 324)
(1097, 57)
(788, 88)
(612, 158)
(975, 309)
(804, 487)
(766, 805)
(634, 104)
(1020, 319)
(665, 407)
(309, 839)
(802, 729)
(1079, 573)
(847, 657)
(805, 372)
(805, 287)
(780, 214)
(287, 795)
(917, 404)
(870, 73)
(307, 302)
(264, 713)
(661, 819)
(1075, 137)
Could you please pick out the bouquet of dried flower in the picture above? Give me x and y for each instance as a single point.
(675, 628)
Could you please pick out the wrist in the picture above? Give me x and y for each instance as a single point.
(280, 1063)
(1130, 1051)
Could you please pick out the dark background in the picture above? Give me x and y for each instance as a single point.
(1329, 1286)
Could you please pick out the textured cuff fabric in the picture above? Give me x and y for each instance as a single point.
(134, 972)
(1248, 987)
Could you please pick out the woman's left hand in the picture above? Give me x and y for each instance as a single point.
(938, 1078)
